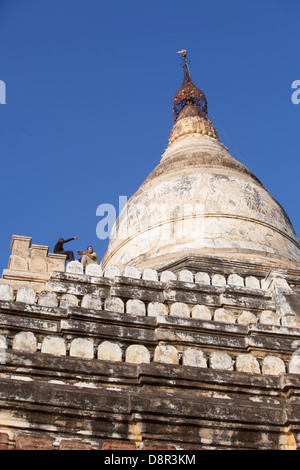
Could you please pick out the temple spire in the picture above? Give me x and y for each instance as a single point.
(188, 93)
(185, 63)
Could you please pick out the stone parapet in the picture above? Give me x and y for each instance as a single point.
(30, 264)
(123, 312)
(191, 358)
(76, 331)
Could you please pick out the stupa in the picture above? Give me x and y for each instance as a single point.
(200, 200)
(186, 337)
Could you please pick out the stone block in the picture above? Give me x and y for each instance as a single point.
(91, 301)
(118, 445)
(252, 282)
(74, 267)
(288, 303)
(179, 309)
(167, 276)
(194, 357)
(25, 341)
(17, 263)
(273, 365)
(68, 300)
(4, 441)
(218, 280)
(220, 360)
(156, 309)
(6, 292)
(246, 317)
(235, 280)
(135, 307)
(294, 365)
(56, 262)
(159, 447)
(224, 315)
(111, 272)
(185, 276)
(166, 354)
(20, 245)
(81, 347)
(202, 278)
(73, 444)
(3, 347)
(28, 442)
(275, 278)
(150, 275)
(114, 304)
(54, 345)
(267, 317)
(108, 351)
(137, 354)
(39, 251)
(131, 271)
(3, 342)
(201, 312)
(38, 265)
(26, 294)
(94, 270)
(290, 321)
(47, 299)
(247, 363)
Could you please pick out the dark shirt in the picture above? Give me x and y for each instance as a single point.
(59, 247)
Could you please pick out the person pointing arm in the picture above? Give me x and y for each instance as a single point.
(59, 248)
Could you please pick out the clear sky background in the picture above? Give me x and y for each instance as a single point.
(89, 94)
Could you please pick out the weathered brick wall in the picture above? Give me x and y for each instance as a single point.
(26, 441)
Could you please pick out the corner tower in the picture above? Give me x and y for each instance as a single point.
(200, 201)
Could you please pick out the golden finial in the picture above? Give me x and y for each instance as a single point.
(188, 93)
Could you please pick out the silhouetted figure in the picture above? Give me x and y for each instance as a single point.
(59, 248)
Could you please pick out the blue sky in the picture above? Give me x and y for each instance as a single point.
(89, 91)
